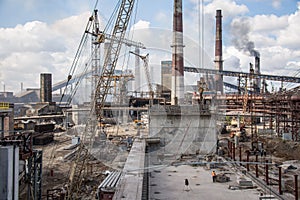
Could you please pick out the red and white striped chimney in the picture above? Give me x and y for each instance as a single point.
(177, 93)
(219, 52)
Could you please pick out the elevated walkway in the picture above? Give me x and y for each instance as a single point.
(131, 181)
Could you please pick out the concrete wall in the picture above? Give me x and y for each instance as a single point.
(183, 130)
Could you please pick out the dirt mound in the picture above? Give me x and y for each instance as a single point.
(288, 150)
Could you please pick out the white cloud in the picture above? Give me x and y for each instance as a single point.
(36, 47)
(229, 8)
(141, 24)
(161, 17)
(276, 38)
(290, 35)
(276, 4)
(269, 23)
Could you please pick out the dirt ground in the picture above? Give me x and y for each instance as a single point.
(287, 150)
(56, 169)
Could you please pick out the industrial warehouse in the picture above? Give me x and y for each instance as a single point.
(124, 136)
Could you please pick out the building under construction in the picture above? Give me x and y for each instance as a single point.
(162, 143)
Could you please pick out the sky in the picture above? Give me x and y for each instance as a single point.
(38, 36)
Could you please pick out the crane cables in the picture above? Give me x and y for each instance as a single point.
(74, 65)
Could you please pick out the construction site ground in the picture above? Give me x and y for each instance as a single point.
(170, 180)
(56, 168)
(169, 183)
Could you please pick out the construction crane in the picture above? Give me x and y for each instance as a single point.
(147, 72)
(98, 37)
(110, 62)
(101, 92)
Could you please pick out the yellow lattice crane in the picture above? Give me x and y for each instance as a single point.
(101, 92)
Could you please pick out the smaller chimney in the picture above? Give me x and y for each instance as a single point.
(46, 88)
(257, 71)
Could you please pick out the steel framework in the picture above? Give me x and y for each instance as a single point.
(243, 74)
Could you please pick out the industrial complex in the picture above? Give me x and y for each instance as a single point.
(134, 139)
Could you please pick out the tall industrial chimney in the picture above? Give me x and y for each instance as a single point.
(219, 51)
(46, 88)
(257, 71)
(177, 93)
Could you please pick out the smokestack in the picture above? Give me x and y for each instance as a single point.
(257, 71)
(219, 51)
(46, 88)
(177, 93)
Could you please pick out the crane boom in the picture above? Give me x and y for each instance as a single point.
(114, 48)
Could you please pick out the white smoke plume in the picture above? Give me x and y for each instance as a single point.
(240, 29)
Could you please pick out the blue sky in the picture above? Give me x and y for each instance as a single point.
(43, 35)
(13, 12)
(270, 7)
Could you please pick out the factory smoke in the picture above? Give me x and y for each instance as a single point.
(240, 29)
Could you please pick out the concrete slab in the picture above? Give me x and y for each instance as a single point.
(169, 183)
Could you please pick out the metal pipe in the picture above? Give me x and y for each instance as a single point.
(267, 172)
(230, 149)
(240, 151)
(256, 166)
(233, 151)
(248, 160)
(296, 186)
(279, 184)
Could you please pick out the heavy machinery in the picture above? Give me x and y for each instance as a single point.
(101, 90)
